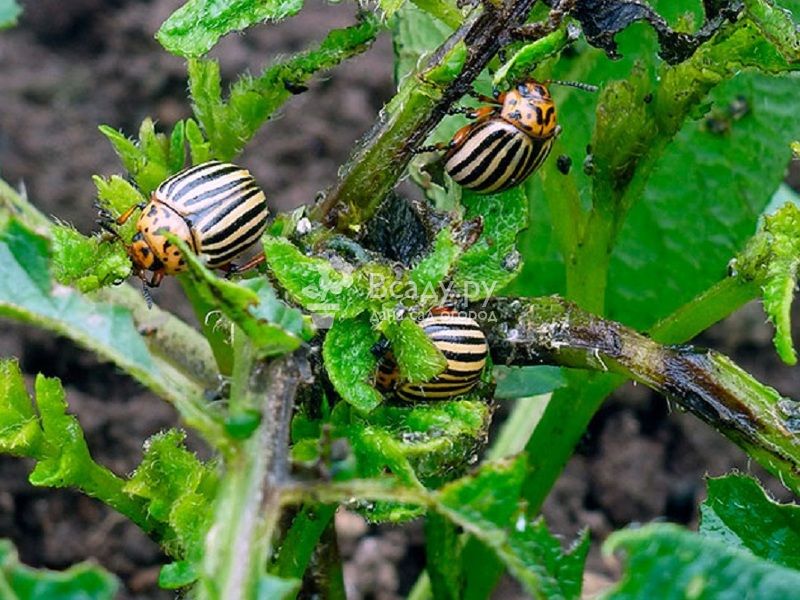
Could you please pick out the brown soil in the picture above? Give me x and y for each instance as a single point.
(73, 65)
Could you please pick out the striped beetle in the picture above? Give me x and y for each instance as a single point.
(216, 208)
(509, 139)
(463, 344)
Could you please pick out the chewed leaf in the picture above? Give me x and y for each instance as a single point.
(85, 581)
(727, 515)
(417, 356)
(486, 505)
(666, 562)
(195, 28)
(494, 259)
(772, 258)
(272, 327)
(230, 123)
(350, 364)
(88, 263)
(177, 489)
(314, 282)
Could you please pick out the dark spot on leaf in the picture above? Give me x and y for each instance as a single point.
(648, 98)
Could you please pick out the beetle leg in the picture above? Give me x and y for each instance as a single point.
(460, 110)
(127, 214)
(440, 147)
(494, 100)
(156, 279)
(232, 269)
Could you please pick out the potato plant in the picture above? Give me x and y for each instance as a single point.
(659, 212)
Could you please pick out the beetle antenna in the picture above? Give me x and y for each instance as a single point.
(148, 297)
(586, 87)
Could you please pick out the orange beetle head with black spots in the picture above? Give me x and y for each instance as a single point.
(530, 107)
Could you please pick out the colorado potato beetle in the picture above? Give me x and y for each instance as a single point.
(463, 344)
(509, 139)
(216, 208)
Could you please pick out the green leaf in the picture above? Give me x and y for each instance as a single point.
(446, 11)
(417, 356)
(230, 124)
(9, 12)
(661, 262)
(739, 513)
(493, 261)
(151, 159)
(65, 460)
(349, 362)
(772, 258)
(195, 28)
(20, 433)
(390, 7)
(85, 581)
(414, 33)
(315, 283)
(177, 489)
(666, 562)
(273, 327)
(486, 505)
(424, 443)
(116, 195)
(199, 147)
(521, 382)
(535, 557)
(176, 575)
(429, 273)
(27, 293)
(87, 263)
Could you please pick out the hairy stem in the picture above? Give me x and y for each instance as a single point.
(554, 331)
(382, 156)
(249, 501)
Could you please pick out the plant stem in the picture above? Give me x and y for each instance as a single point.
(553, 331)
(382, 156)
(301, 539)
(249, 501)
(701, 312)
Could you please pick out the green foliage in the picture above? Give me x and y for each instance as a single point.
(494, 259)
(772, 258)
(350, 362)
(417, 357)
(179, 490)
(230, 123)
(617, 236)
(665, 561)
(85, 581)
(738, 513)
(87, 263)
(151, 159)
(195, 28)
(272, 327)
(9, 13)
(486, 505)
(315, 284)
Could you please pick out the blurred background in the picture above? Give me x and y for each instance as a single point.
(71, 66)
